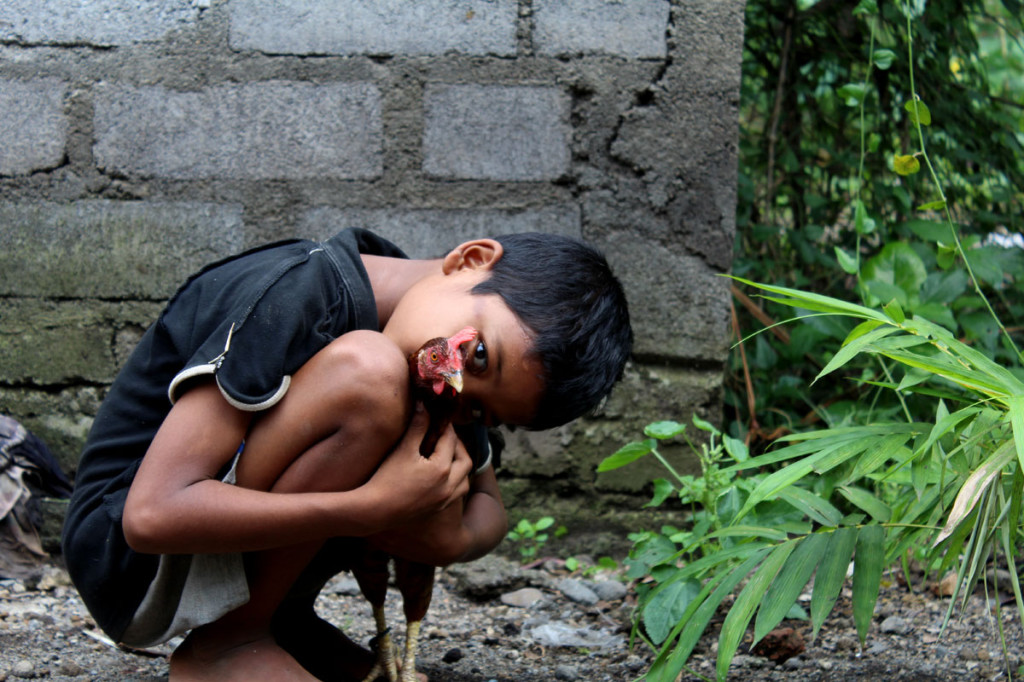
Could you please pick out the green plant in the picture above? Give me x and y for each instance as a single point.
(923, 454)
(605, 563)
(530, 536)
(820, 209)
(711, 496)
(951, 488)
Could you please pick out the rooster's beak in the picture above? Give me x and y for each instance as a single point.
(454, 379)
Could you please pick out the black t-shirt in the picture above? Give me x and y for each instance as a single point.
(250, 321)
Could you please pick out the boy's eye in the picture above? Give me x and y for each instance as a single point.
(478, 358)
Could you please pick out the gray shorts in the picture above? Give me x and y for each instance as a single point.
(189, 590)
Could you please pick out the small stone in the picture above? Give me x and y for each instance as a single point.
(610, 590)
(524, 598)
(23, 668)
(566, 673)
(894, 625)
(577, 591)
(70, 669)
(452, 656)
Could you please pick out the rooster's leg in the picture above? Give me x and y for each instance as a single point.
(416, 583)
(412, 639)
(371, 572)
(384, 647)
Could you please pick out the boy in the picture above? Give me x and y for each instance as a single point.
(297, 351)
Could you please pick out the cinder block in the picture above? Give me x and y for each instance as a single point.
(109, 249)
(634, 28)
(678, 305)
(496, 132)
(261, 131)
(96, 22)
(431, 233)
(33, 128)
(378, 27)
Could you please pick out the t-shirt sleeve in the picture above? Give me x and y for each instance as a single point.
(265, 319)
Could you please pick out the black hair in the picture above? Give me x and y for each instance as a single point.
(563, 291)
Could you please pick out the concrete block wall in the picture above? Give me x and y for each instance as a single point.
(140, 139)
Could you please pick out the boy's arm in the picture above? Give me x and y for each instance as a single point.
(176, 505)
(457, 534)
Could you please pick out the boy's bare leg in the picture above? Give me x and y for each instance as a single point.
(325, 435)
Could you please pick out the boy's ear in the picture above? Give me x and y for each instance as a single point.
(473, 255)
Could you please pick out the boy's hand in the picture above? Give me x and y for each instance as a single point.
(412, 486)
(436, 539)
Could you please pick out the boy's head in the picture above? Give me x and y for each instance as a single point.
(563, 291)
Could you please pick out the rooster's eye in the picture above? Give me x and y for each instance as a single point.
(478, 360)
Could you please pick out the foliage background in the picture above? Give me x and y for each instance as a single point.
(802, 171)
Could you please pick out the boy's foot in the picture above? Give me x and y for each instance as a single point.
(260, 659)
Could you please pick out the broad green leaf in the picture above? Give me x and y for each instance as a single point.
(862, 222)
(736, 448)
(788, 585)
(930, 230)
(884, 291)
(1016, 405)
(852, 348)
(905, 164)
(973, 487)
(883, 58)
(662, 489)
(666, 606)
(878, 452)
(933, 205)
(772, 484)
(945, 423)
(709, 563)
(898, 264)
(664, 430)
(919, 112)
(749, 599)
(831, 575)
(868, 562)
(815, 507)
(544, 523)
(861, 329)
(945, 257)
(691, 626)
(877, 509)
(803, 299)
(847, 262)
(704, 425)
(894, 311)
(867, 7)
(944, 287)
(625, 455)
(852, 94)
(748, 532)
(953, 371)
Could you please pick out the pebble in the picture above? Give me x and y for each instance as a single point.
(524, 598)
(23, 668)
(452, 655)
(609, 590)
(894, 625)
(567, 673)
(577, 591)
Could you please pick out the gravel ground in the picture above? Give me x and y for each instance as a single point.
(472, 635)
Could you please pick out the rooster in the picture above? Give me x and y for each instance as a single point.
(435, 372)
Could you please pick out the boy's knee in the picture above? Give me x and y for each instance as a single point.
(367, 382)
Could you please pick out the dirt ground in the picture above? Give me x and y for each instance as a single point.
(472, 635)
